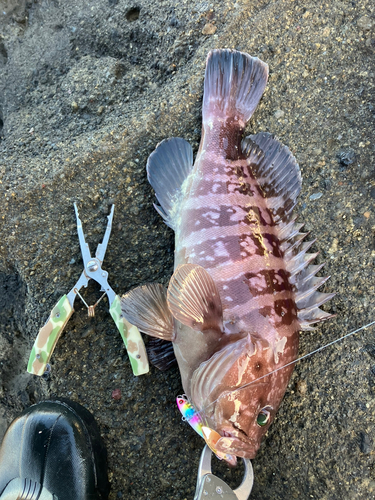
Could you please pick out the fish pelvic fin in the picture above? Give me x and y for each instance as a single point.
(161, 353)
(146, 307)
(194, 299)
(167, 169)
(234, 82)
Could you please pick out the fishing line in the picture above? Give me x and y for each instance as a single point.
(291, 363)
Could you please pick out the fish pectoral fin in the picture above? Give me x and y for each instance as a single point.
(193, 298)
(161, 353)
(146, 307)
(167, 168)
(227, 368)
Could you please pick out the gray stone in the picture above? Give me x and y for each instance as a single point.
(147, 73)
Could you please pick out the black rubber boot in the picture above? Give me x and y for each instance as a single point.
(53, 450)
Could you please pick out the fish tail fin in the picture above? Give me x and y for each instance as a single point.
(233, 85)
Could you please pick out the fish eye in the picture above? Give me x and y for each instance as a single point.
(264, 416)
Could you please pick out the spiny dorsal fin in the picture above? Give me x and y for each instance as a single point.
(276, 171)
(308, 317)
(194, 299)
(161, 353)
(302, 275)
(279, 176)
(234, 82)
(167, 168)
(146, 307)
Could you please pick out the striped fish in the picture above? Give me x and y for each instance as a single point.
(243, 285)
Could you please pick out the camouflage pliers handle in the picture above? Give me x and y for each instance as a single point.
(132, 339)
(49, 334)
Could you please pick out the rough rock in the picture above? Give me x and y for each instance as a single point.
(87, 89)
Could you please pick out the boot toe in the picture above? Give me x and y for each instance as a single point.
(57, 445)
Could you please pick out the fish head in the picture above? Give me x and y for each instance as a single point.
(242, 418)
(238, 395)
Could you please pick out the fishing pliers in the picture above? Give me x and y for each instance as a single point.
(49, 334)
(212, 487)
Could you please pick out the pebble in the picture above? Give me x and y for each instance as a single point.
(116, 394)
(346, 157)
(315, 196)
(209, 29)
(365, 23)
(279, 114)
(301, 387)
(365, 443)
(87, 332)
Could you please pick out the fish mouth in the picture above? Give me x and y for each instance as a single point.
(236, 442)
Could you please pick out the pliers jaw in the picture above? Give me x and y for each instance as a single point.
(211, 486)
(93, 265)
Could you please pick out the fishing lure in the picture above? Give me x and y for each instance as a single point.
(190, 414)
(194, 419)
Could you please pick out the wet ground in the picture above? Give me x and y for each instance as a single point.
(87, 89)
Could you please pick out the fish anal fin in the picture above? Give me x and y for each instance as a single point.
(161, 354)
(167, 168)
(194, 299)
(146, 307)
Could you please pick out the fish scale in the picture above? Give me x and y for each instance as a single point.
(243, 285)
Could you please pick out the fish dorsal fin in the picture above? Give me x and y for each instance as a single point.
(276, 171)
(167, 168)
(302, 275)
(194, 299)
(306, 284)
(207, 380)
(146, 307)
(161, 353)
(279, 177)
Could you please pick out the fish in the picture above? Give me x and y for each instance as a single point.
(244, 283)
